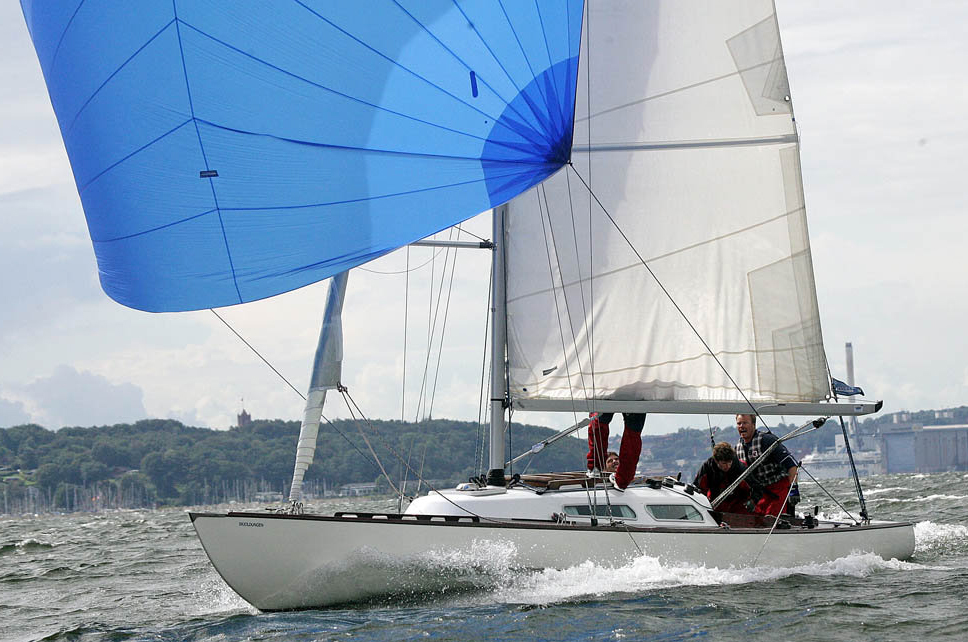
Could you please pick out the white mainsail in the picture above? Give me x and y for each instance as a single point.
(686, 137)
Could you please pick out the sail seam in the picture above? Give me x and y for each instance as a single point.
(670, 92)
(347, 96)
(393, 62)
(558, 90)
(480, 79)
(666, 255)
(707, 355)
(114, 73)
(535, 112)
(137, 151)
(368, 198)
(154, 229)
(692, 144)
(310, 143)
(201, 148)
(67, 27)
(665, 291)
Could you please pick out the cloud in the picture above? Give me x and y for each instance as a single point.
(72, 398)
(12, 413)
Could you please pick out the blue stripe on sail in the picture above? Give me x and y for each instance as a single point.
(325, 133)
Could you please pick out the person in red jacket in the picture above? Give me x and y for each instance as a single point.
(628, 452)
(718, 473)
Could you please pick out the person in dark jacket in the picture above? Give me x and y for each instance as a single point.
(721, 470)
(776, 474)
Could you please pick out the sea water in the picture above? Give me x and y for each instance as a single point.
(142, 575)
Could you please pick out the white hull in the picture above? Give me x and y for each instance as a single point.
(289, 562)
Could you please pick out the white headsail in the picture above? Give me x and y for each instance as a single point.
(687, 140)
(327, 369)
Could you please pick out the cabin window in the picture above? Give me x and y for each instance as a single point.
(601, 510)
(674, 512)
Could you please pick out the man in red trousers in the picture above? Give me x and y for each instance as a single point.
(628, 452)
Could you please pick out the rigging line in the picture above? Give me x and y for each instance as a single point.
(423, 458)
(359, 427)
(853, 469)
(301, 395)
(692, 246)
(669, 296)
(821, 486)
(591, 246)
(776, 520)
(432, 312)
(430, 306)
(485, 375)
(347, 396)
(712, 439)
(554, 296)
(406, 477)
(406, 314)
(460, 229)
(264, 360)
(443, 328)
(581, 287)
(404, 271)
(564, 294)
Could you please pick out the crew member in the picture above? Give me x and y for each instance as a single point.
(718, 473)
(628, 452)
(776, 474)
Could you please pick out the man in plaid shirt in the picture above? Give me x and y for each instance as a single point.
(776, 474)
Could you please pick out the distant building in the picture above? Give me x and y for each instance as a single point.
(938, 449)
(245, 419)
(928, 449)
(356, 490)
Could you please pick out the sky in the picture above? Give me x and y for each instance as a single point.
(879, 91)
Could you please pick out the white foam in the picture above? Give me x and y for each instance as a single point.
(878, 491)
(213, 595)
(929, 536)
(928, 498)
(647, 574)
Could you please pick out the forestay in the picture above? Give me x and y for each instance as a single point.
(685, 133)
(230, 151)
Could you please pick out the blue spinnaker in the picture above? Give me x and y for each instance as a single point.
(230, 151)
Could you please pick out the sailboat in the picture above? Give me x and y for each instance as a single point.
(650, 246)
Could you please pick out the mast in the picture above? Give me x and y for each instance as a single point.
(327, 368)
(495, 474)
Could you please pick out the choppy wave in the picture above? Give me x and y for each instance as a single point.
(928, 498)
(649, 574)
(929, 536)
(25, 545)
(889, 489)
(153, 581)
